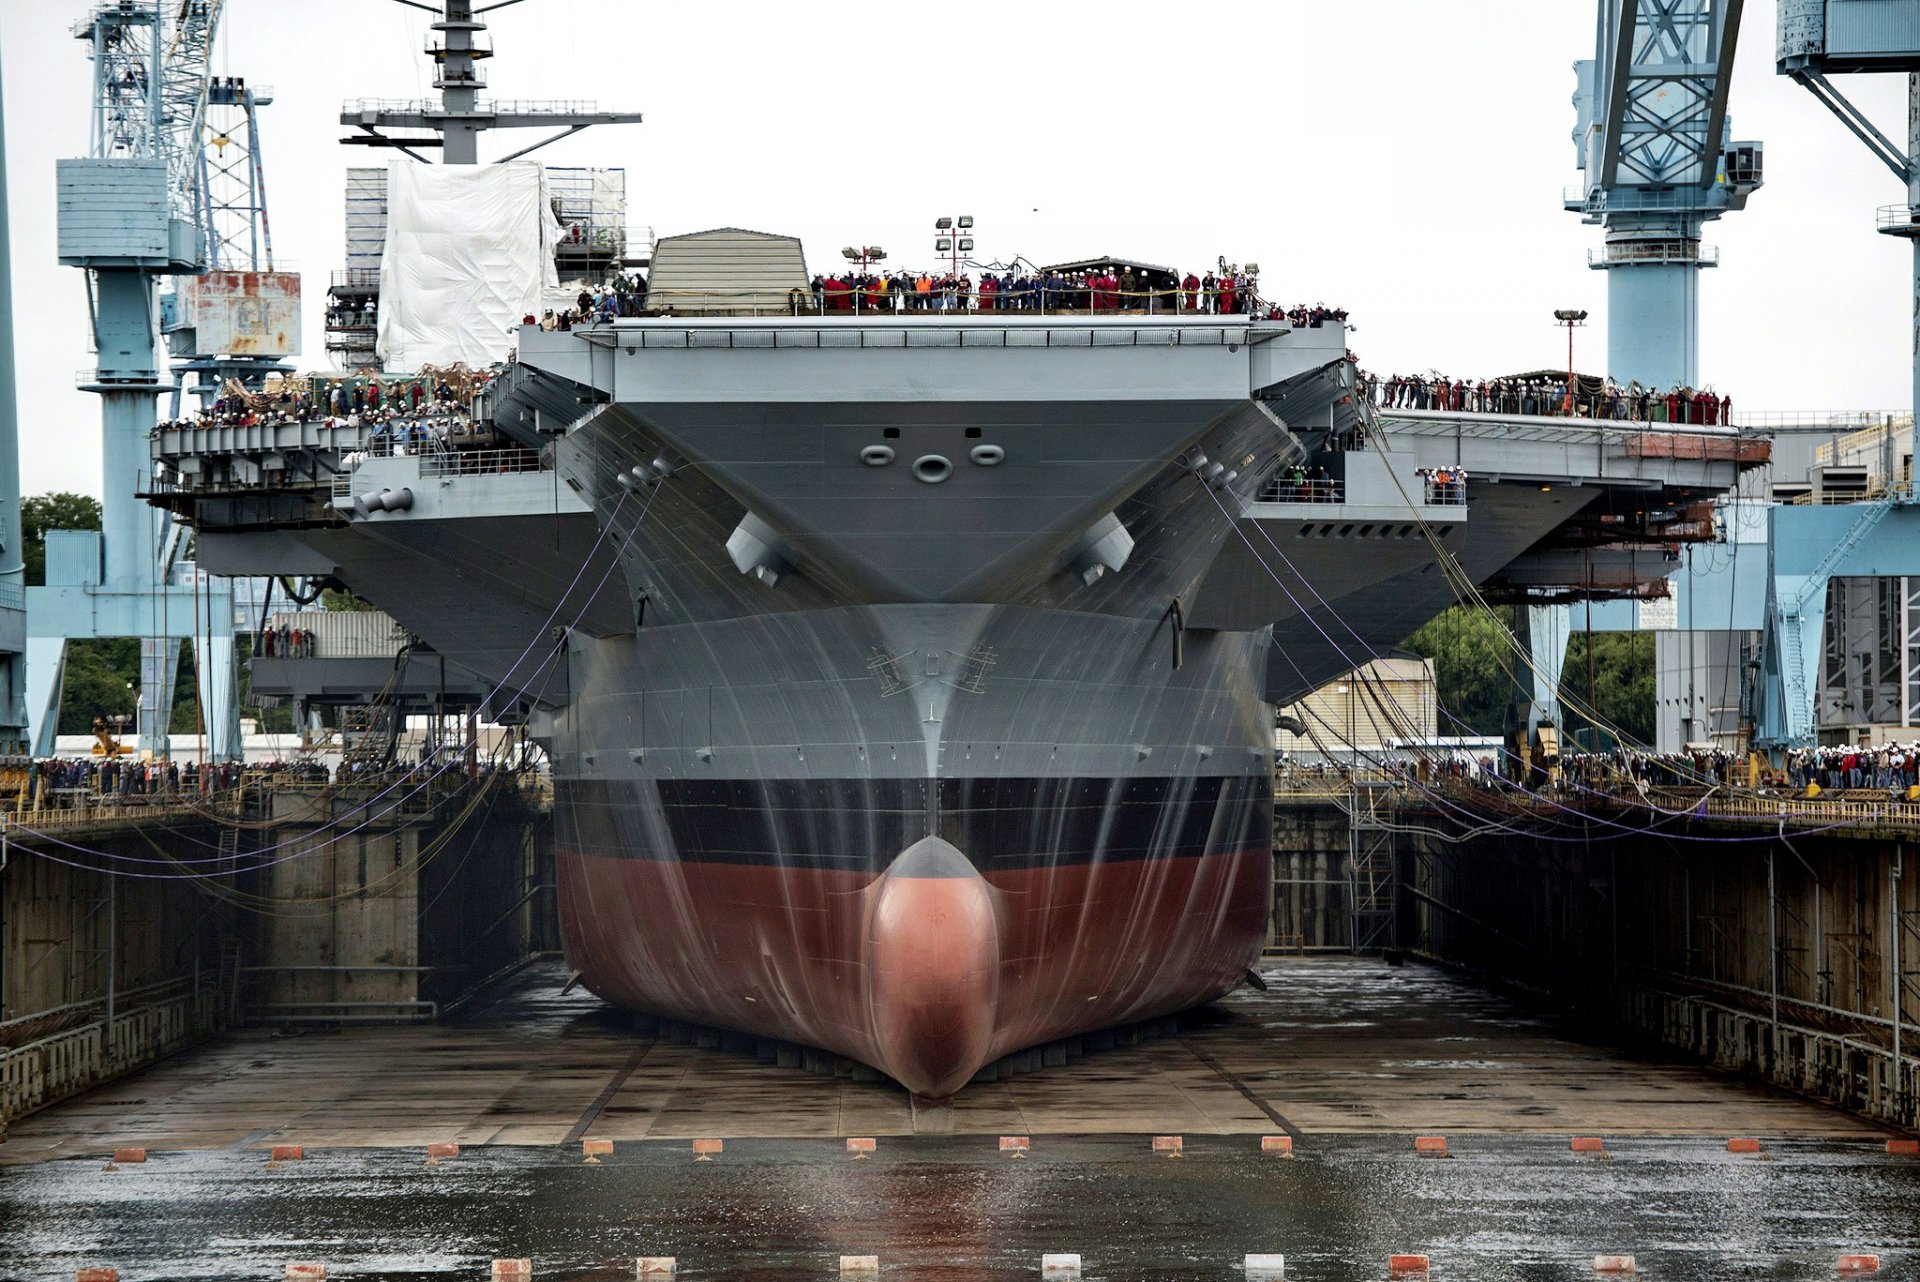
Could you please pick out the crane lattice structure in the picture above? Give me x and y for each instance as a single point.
(1652, 141)
(129, 213)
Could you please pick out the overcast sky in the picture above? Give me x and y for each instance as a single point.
(1401, 158)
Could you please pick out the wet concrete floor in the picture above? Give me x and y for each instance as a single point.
(1352, 1057)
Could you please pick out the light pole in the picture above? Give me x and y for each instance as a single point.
(1572, 320)
(954, 240)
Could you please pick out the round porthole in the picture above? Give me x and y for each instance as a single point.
(988, 455)
(932, 468)
(877, 455)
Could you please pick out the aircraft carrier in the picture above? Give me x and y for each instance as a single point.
(909, 679)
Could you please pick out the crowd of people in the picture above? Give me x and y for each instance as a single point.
(1102, 289)
(283, 642)
(404, 413)
(1893, 767)
(1546, 396)
(1445, 486)
(67, 783)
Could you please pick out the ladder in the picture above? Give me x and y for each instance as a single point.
(1372, 875)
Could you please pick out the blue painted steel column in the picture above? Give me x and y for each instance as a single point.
(1653, 324)
(13, 617)
(127, 380)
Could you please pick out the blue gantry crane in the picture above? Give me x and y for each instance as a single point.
(1809, 545)
(131, 212)
(1652, 137)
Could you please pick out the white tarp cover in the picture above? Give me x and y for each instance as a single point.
(469, 248)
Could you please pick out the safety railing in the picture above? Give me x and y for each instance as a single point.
(1898, 220)
(1863, 422)
(58, 809)
(1654, 254)
(938, 302)
(357, 279)
(60, 1064)
(482, 106)
(1286, 489)
(480, 462)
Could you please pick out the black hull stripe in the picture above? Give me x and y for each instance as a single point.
(860, 825)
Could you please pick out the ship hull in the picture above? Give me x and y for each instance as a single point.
(922, 874)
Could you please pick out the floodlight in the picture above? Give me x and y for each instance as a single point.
(1568, 316)
(941, 224)
(1253, 269)
(848, 251)
(874, 251)
(966, 246)
(942, 246)
(966, 220)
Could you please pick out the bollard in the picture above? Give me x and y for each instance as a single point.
(306, 1273)
(286, 1153)
(1282, 1144)
(1614, 1264)
(859, 1266)
(1429, 1143)
(1402, 1266)
(1015, 1144)
(129, 1156)
(442, 1152)
(96, 1273)
(861, 1148)
(1743, 1146)
(655, 1266)
(1859, 1264)
(594, 1150)
(703, 1150)
(1059, 1266)
(1903, 1148)
(1589, 1144)
(1265, 1266)
(1171, 1145)
(512, 1270)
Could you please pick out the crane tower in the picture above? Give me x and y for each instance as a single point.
(1652, 110)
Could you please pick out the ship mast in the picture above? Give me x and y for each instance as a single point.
(462, 115)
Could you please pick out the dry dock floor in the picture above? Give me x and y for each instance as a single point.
(1337, 1046)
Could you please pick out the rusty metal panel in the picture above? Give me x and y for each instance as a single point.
(244, 313)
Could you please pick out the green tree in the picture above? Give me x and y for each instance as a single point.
(58, 511)
(101, 678)
(1473, 663)
(1622, 694)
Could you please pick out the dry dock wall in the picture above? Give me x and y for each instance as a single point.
(1795, 959)
(343, 919)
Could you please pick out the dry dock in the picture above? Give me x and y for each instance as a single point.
(1337, 1046)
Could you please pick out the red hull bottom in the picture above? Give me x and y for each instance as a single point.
(931, 970)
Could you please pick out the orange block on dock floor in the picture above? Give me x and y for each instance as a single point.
(1015, 1144)
(861, 1147)
(707, 1148)
(1903, 1148)
(129, 1156)
(1429, 1143)
(97, 1274)
(1614, 1264)
(440, 1152)
(1402, 1266)
(286, 1153)
(594, 1150)
(1743, 1146)
(1589, 1144)
(1859, 1264)
(306, 1273)
(1168, 1143)
(1276, 1143)
(512, 1270)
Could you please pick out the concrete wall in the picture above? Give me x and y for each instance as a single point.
(1774, 958)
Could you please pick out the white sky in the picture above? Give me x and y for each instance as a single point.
(1402, 158)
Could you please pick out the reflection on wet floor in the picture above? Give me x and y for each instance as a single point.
(1351, 1057)
(1500, 1208)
